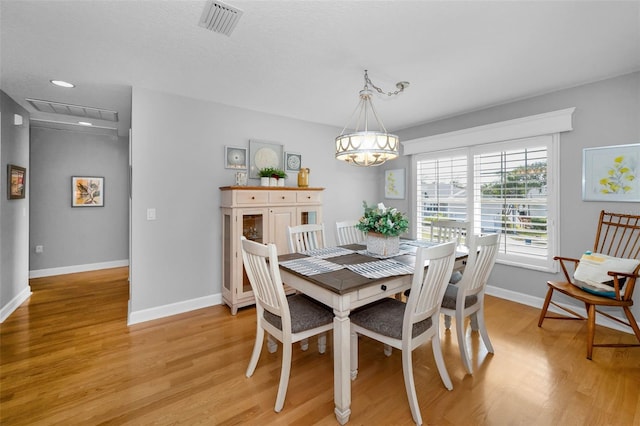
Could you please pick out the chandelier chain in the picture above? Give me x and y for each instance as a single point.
(367, 82)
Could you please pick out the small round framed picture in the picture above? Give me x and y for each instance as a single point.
(292, 161)
(235, 158)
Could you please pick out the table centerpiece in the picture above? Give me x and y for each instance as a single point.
(383, 226)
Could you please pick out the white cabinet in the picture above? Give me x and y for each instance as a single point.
(260, 214)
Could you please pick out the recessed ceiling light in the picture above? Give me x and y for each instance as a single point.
(61, 83)
(84, 123)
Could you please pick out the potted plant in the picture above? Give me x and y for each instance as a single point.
(383, 226)
(271, 176)
(280, 176)
(265, 175)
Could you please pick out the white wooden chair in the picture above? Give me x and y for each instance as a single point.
(287, 319)
(447, 230)
(306, 237)
(347, 233)
(408, 325)
(466, 298)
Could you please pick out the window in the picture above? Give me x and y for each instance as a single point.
(500, 177)
(441, 190)
(501, 188)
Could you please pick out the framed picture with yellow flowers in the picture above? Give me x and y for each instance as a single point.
(611, 173)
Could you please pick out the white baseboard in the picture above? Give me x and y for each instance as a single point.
(537, 302)
(14, 304)
(173, 309)
(39, 273)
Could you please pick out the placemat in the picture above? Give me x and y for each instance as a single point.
(311, 266)
(325, 253)
(381, 268)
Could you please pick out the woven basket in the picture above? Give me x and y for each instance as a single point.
(382, 245)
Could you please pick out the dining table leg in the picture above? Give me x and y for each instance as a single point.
(342, 365)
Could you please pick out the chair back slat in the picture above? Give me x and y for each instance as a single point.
(306, 237)
(261, 265)
(347, 233)
(482, 258)
(618, 235)
(428, 287)
(448, 230)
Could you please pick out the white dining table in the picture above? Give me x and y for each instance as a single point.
(344, 290)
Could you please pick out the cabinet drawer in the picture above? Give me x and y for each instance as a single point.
(252, 198)
(391, 288)
(309, 197)
(282, 197)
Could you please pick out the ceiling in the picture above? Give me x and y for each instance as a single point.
(306, 59)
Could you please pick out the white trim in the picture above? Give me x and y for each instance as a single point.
(14, 304)
(519, 128)
(39, 273)
(537, 302)
(173, 309)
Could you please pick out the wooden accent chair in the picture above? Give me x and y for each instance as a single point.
(618, 235)
(288, 319)
(306, 237)
(408, 325)
(347, 233)
(466, 298)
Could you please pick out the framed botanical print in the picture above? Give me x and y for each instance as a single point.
(87, 191)
(394, 184)
(611, 173)
(235, 157)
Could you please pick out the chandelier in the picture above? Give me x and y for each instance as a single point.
(369, 146)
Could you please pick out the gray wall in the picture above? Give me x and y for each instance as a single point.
(14, 214)
(607, 113)
(177, 156)
(77, 236)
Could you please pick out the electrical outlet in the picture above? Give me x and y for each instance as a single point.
(39, 249)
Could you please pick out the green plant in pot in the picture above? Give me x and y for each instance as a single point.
(272, 173)
(383, 226)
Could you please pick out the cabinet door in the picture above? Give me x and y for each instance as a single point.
(280, 218)
(253, 225)
(308, 215)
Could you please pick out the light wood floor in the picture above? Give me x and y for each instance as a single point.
(68, 358)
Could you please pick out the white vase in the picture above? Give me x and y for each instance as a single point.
(264, 181)
(273, 181)
(281, 182)
(382, 245)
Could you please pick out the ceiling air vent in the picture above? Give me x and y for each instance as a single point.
(74, 110)
(219, 17)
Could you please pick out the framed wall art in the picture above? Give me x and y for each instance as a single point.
(394, 184)
(264, 154)
(16, 182)
(87, 191)
(235, 157)
(611, 173)
(292, 161)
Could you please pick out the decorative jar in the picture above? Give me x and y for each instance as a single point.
(303, 177)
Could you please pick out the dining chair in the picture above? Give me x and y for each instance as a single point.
(287, 319)
(447, 230)
(306, 237)
(347, 233)
(406, 326)
(466, 298)
(618, 236)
